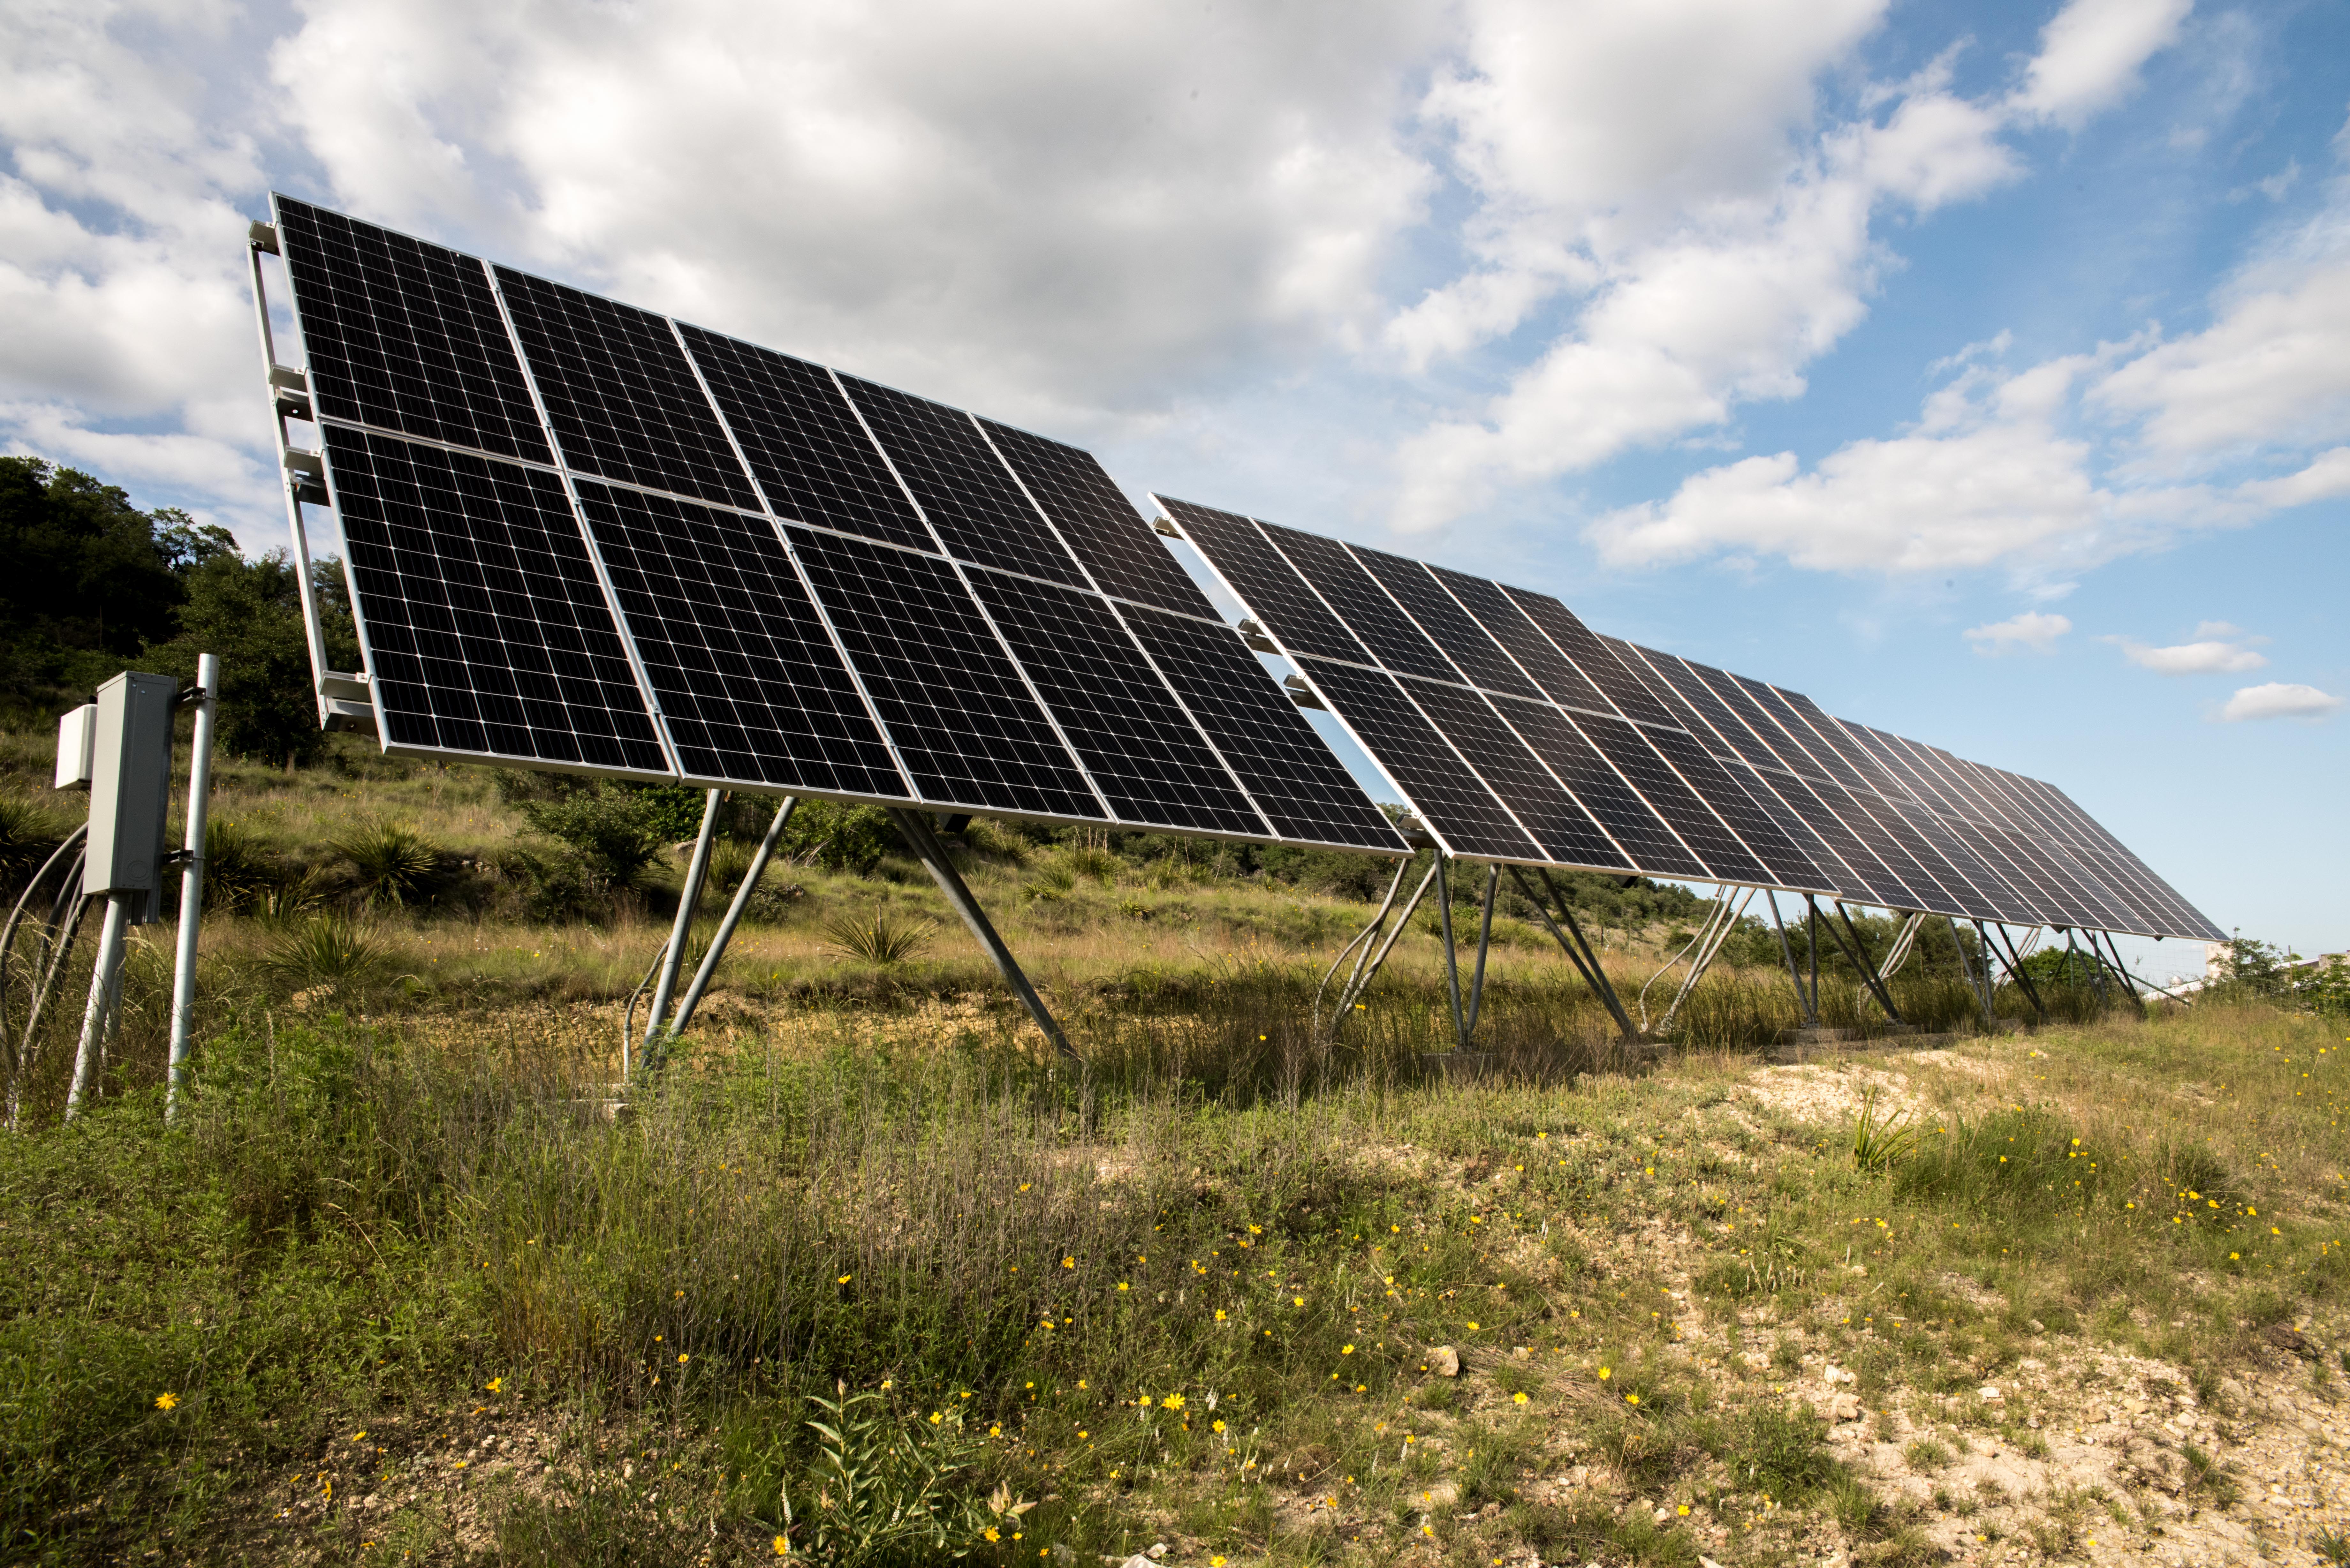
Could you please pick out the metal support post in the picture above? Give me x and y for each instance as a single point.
(1361, 980)
(1978, 984)
(1364, 940)
(1452, 956)
(1706, 945)
(192, 879)
(1484, 945)
(2121, 971)
(932, 854)
(688, 896)
(2096, 971)
(1578, 951)
(1858, 952)
(1808, 1001)
(1904, 942)
(103, 975)
(2012, 962)
(734, 916)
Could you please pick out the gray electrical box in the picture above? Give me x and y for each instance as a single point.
(76, 731)
(131, 789)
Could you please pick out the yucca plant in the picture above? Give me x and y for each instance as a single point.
(326, 950)
(1880, 1142)
(878, 939)
(395, 863)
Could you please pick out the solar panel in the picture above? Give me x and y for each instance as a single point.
(1253, 572)
(405, 335)
(805, 444)
(753, 689)
(1123, 557)
(1465, 816)
(1139, 747)
(1358, 599)
(586, 536)
(620, 396)
(486, 630)
(1554, 673)
(1549, 814)
(1290, 773)
(1481, 660)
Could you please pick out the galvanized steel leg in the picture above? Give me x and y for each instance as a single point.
(688, 896)
(1859, 952)
(734, 916)
(932, 855)
(1355, 987)
(1452, 958)
(1484, 945)
(102, 976)
(192, 881)
(1811, 1011)
(1578, 951)
(1364, 940)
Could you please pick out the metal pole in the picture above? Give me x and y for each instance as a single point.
(1982, 997)
(1452, 959)
(734, 916)
(927, 847)
(1811, 1013)
(1812, 953)
(1364, 938)
(101, 993)
(1858, 953)
(2120, 971)
(192, 879)
(1484, 945)
(688, 897)
(1586, 961)
(2013, 962)
(1357, 986)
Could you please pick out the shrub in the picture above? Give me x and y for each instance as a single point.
(396, 864)
(877, 937)
(325, 950)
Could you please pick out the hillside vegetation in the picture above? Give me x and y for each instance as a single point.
(865, 1275)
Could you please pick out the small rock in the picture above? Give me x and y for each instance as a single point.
(1834, 1374)
(2284, 1338)
(1845, 1407)
(1158, 1553)
(1521, 1353)
(1444, 1361)
(1991, 1391)
(2037, 1326)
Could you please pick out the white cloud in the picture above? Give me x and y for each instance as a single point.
(1055, 206)
(2030, 632)
(2278, 700)
(2219, 648)
(1717, 237)
(2090, 55)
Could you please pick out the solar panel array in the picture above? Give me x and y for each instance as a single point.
(1519, 734)
(583, 536)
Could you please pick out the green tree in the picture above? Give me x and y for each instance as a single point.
(249, 614)
(92, 579)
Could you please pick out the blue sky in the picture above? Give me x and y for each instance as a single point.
(1982, 371)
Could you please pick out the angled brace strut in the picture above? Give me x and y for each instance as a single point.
(1857, 951)
(1578, 951)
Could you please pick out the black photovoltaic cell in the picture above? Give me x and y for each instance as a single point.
(405, 335)
(1788, 866)
(1634, 752)
(1700, 686)
(1124, 557)
(1463, 812)
(1563, 828)
(1644, 839)
(1286, 607)
(752, 689)
(1591, 655)
(1836, 875)
(1476, 655)
(803, 442)
(961, 484)
(1368, 613)
(620, 393)
(1290, 772)
(1144, 754)
(1874, 880)
(486, 629)
(1756, 825)
(964, 721)
(1559, 680)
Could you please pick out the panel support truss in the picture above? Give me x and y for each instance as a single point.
(1808, 999)
(1720, 922)
(2114, 962)
(1370, 947)
(1905, 942)
(1858, 952)
(915, 828)
(1978, 979)
(2011, 960)
(1579, 951)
